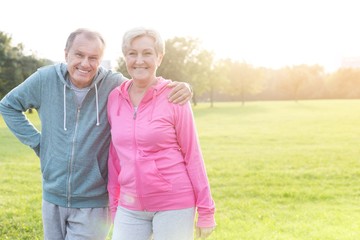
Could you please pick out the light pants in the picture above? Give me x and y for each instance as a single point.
(162, 225)
(62, 223)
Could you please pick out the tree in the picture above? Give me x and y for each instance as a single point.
(122, 67)
(244, 79)
(200, 74)
(15, 67)
(218, 79)
(301, 81)
(9, 67)
(186, 61)
(344, 83)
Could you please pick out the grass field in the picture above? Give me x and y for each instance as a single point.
(278, 171)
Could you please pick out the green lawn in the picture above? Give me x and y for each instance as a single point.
(278, 170)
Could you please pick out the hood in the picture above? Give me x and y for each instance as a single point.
(150, 95)
(62, 72)
(152, 92)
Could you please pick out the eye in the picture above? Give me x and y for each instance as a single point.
(131, 53)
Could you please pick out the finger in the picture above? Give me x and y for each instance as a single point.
(176, 86)
(185, 98)
(182, 100)
(205, 232)
(174, 98)
(175, 93)
(172, 84)
(180, 96)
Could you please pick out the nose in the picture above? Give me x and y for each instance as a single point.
(139, 58)
(85, 62)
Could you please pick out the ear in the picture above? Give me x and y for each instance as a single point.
(66, 54)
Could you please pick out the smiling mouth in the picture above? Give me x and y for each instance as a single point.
(83, 71)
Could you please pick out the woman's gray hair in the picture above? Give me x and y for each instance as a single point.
(131, 34)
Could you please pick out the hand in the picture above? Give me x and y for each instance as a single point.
(181, 92)
(202, 232)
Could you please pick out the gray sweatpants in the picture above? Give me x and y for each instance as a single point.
(62, 223)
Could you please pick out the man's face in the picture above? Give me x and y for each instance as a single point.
(83, 59)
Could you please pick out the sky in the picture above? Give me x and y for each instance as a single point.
(263, 33)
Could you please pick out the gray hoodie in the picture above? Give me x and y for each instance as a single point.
(73, 142)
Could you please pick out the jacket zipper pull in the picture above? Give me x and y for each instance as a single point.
(135, 111)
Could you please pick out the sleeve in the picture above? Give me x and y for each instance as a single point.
(113, 169)
(12, 107)
(190, 147)
(113, 184)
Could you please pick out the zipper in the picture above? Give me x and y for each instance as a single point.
(135, 112)
(72, 158)
(138, 183)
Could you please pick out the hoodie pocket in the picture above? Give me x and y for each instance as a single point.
(54, 175)
(151, 180)
(86, 179)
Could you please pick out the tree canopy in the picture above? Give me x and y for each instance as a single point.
(15, 66)
(212, 79)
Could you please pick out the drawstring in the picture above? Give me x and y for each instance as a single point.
(65, 107)
(153, 104)
(120, 99)
(97, 106)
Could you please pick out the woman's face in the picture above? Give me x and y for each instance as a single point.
(142, 60)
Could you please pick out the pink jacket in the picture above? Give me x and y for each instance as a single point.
(155, 161)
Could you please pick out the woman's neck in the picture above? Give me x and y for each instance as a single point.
(138, 90)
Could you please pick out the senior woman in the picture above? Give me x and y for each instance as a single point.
(157, 176)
